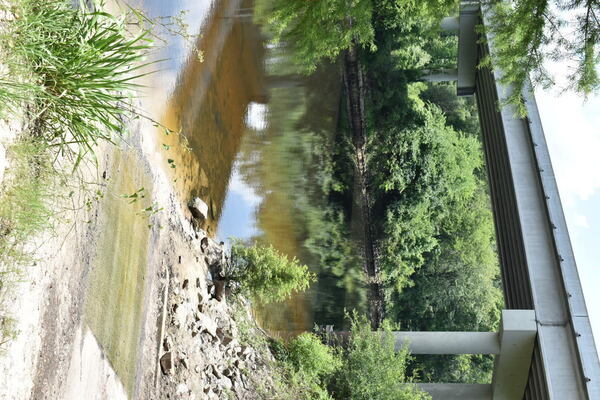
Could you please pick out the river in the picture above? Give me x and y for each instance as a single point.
(255, 140)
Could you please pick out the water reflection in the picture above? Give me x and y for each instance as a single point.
(257, 144)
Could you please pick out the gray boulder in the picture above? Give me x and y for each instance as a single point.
(198, 208)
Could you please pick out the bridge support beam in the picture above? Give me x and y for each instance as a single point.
(513, 347)
(458, 391)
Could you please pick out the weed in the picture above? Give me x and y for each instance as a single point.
(135, 196)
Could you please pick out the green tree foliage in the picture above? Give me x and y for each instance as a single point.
(372, 369)
(321, 29)
(422, 170)
(460, 112)
(436, 250)
(311, 364)
(529, 32)
(367, 368)
(266, 274)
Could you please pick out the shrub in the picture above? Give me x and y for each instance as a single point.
(372, 369)
(307, 353)
(267, 275)
(308, 365)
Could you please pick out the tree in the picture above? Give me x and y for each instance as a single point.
(422, 170)
(529, 32)
(321, 29)
(266, 274)
(372, 369)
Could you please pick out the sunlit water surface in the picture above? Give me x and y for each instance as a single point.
(246, 119)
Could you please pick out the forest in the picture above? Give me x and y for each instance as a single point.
(432, 228)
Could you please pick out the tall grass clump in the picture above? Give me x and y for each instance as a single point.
(76, 66)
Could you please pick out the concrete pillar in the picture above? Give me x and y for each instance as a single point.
(449, 342)
(449, 25)
(511, 369)
(467, 48)
(513, 347)
(443, 75)
(458, 391)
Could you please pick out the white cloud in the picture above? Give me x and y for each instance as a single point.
(238, 186)
(572, 129)
(581, 221)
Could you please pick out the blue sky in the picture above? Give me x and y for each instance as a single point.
(572, 128)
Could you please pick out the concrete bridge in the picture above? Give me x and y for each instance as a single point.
(545, 349)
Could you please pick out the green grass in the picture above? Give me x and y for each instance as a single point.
(24, 206)
(76, 66)
(24, 210)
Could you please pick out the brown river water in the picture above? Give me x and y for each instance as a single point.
(244, 119)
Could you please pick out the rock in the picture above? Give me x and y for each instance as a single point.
(225, 383)
(214, 371)
(238, 386)
(208, 325)
(184, 362)
(182, 388)
(219, 289)
(166, 363)
(245, 350)
(226, 340)
(203, 244)
(201, 296)
(166, 343)
(185, 284)
(198, 208)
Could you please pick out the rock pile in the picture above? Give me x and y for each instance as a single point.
(201, 355)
